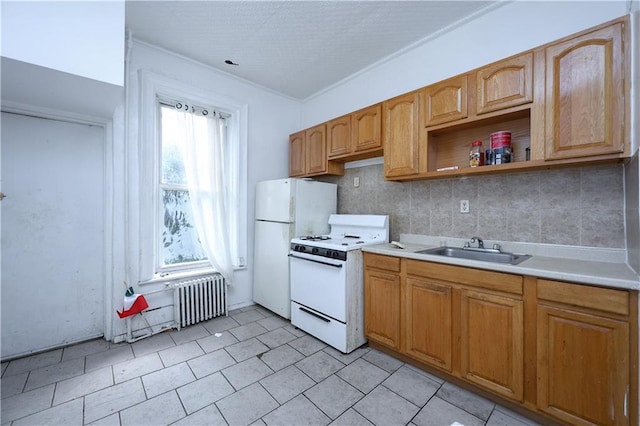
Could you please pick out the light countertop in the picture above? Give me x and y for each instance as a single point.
(595, 266)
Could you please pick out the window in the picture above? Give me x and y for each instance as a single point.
(177, 242)
(160, 210)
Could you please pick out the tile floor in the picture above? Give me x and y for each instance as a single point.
(259, 370)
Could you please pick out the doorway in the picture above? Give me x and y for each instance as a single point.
(52, 256)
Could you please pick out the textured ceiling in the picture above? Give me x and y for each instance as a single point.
(297, 48)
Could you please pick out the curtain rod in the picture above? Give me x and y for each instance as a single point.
(183, 106)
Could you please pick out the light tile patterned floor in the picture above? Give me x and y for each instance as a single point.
(259, 371)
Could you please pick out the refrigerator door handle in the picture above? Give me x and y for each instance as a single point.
(316, 261)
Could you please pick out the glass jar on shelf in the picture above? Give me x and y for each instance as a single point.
(476, 155)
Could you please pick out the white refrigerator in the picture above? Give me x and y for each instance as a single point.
(285, 208)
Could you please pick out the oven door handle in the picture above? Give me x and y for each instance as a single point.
(307, 311)
(316, 261)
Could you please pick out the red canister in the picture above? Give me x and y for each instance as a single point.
(500, 147)
(500, 139)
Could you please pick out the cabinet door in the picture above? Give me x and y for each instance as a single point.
(584, 105)
(297, 154)
(401, 135)
(583, 367)
(366, 128)
(316, 147)
(382, 308)
(492, 342)
(505, 84)
(428, 322)
(446, 101)
(339, 136)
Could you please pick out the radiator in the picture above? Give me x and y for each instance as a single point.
(199, 299)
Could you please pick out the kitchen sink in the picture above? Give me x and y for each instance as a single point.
(485, 255)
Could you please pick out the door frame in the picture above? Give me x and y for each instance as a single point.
(110, 260)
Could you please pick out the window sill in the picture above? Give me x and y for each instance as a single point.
(168, 277)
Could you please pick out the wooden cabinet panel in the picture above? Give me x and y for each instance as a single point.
(378, 261)
(367, 128)
(446, 101)
(595, 298)
(339, 136)
(308, 154)
(505, 84)
(583, 367)
(297, 155)
(356, 136)
(316, 149)
(476, 277)
(428, 310)
(382, 307)
(584, 105)
(492, 342)
(401, 135)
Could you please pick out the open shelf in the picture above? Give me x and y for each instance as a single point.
(449, 146)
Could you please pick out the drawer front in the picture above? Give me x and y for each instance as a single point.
(377, 261)
(602, 299)
(474, 277)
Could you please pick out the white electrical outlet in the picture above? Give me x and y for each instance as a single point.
(464, 206)
(356, 181)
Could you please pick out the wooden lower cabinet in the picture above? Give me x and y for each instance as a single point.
(492, 342)
(382, 301)
(587, 353)
(428, 307)
(583, 367)
(566, 352)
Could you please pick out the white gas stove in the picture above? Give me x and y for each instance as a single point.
(327, 279)
(348, 232)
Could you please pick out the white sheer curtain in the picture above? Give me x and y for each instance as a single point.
(205, 160)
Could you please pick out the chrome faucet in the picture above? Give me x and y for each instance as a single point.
(467, 246)
(479, 240)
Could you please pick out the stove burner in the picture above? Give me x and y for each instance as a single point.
(315, 237)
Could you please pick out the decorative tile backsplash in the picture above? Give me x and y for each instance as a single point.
(573, 206)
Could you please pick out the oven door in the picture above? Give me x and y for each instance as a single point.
(319, 283)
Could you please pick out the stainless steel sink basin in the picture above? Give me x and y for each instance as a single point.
(485, 255)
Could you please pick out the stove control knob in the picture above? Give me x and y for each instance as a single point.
(315, 250)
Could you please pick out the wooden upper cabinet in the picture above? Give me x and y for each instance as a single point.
(446, 101)
(401, 135)
(356, 136)
(339, 136)
(316, 150)
(505, 84)
(308, 154)
(297, 154)
(585, 95)
(366, 127)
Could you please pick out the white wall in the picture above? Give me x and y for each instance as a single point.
(56, 34)
(271, 118)
(502, 32)
(63, 56)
